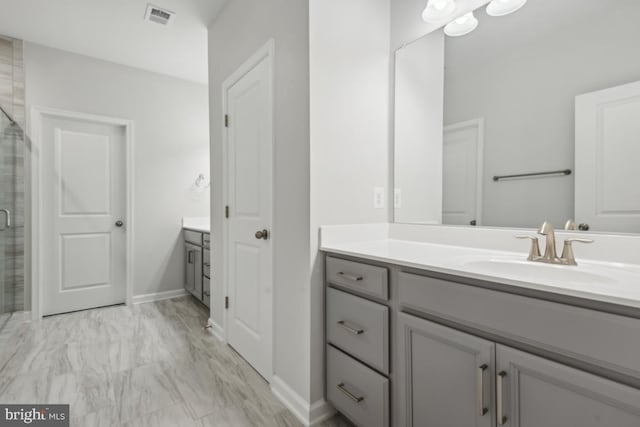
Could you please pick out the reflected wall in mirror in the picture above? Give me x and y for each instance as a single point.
(553, 87)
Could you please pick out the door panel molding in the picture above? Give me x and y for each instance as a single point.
(34, 237)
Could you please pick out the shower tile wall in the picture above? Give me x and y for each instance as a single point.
(12, 98)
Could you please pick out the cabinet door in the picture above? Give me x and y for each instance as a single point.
(445, 376)
(535, 392)
(193, 269)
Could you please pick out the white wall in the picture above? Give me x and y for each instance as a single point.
(242, 27)
(350, 65)
(526, 94)
(171, 146)
(418, 139)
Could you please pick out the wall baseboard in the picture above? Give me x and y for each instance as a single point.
(159, 296)
(216, 330)
(309, 414)
(320, 411)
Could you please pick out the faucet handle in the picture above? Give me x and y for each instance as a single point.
(534, 252)
(567, 252)
(571, 225)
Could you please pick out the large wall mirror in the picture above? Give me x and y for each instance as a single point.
(532, 116)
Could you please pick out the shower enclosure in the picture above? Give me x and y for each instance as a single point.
(11, 217)
(12, 179)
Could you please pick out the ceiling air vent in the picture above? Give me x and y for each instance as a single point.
(158, 15)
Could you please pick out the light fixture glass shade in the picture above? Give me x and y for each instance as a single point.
(439, 10)
(461, 26)
(504, 7)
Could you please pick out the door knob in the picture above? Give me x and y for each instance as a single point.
(262, 234)
(119, 223)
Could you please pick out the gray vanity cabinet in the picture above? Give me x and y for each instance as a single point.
(193, 266)
(538, 392)
(445, 376)
(411, 348)
(197, 265)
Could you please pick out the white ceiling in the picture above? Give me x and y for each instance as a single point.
(115, 30)
(498, 36)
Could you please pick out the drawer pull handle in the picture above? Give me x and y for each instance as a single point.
(206, 294)
(502, 419)
(349, 394)
(352, 277)
(206, 264)
(482, 410)
(354, 331)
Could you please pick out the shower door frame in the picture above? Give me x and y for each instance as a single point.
(37, 115)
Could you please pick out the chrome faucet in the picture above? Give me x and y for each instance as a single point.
(550, 253)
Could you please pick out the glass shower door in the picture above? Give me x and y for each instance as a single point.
(11, 255)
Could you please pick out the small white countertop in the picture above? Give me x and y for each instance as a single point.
(202, 224)
(604, 281)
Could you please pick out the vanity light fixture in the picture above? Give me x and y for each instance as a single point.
(439, 10)
(462, 25)
(504, 7)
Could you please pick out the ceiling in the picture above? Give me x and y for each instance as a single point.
(115, 30)
(499, 36)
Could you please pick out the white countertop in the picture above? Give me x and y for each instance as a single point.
(202, 224)
(603, 281)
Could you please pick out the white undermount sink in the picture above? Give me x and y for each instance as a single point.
(520, 269)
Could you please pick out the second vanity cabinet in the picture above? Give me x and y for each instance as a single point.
(456, 352)
(197, 265)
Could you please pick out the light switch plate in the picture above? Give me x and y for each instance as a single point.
(378, 197)
(397, 198)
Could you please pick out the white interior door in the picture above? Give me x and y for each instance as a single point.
(462, 174)
(249, 142)
(83, 196)
(607, 194)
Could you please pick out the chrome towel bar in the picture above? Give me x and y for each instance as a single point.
(563, 172)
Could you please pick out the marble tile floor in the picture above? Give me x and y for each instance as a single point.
(145, 365)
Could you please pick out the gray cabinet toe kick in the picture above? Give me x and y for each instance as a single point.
(406, 347)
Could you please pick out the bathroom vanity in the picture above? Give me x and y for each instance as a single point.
(197, 263)
(444, 318)
(447, 344)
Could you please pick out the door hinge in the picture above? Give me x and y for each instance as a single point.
(226, 120)
(226, 211)
(226, 303)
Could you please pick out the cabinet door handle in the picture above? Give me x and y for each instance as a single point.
(354, 331)
(351, 277)
(482, 410)
(189, 258)
(349, 394)
(502, 419)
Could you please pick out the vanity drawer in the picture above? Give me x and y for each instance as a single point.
(362, 278)
(193, 237)
(359, 327)
(357, 391)
(206, 240)
(206, 263)
(601, 339)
